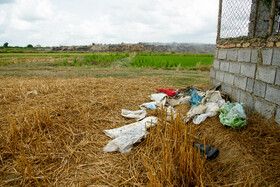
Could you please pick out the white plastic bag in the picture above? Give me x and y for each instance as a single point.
(124, 137)
(151, 106)
(138, 114)
(159, 98)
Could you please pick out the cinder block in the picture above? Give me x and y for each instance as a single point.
(216, 53)
(219, 75)
(265, 108)
(277, 79)
(266, 74)
(228, 78)
(259, 88)
(244, 55)
(267, 56)
(250, 85)
(212, 73)
(232, 55)
(254, 56)
(248, 70)
(247, 99)
(276, 57)
(226, 88)
(216, 64)
(277, 116)
(273, 94)
(224, 66)
(214, 82)
(235, 94)
(234, 67)
(222, 55)
(240, 82)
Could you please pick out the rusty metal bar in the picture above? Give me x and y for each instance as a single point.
(219, 19)
(272, 17)
(256, 18)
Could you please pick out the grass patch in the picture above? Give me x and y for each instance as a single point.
(172, 61)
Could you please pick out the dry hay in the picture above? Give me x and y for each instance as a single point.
(56, 138)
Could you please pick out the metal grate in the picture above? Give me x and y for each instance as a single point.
(235, 18)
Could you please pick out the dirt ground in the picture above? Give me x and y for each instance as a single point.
(54, 136)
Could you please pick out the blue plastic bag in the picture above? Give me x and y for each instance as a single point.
(195, 97)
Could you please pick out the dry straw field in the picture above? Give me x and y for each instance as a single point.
(54, 137)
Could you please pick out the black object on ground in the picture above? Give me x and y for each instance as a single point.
(208, 151)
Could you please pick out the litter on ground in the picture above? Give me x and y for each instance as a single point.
(124, 137)
(138, 114)
(169, 92)
(203, 105)
(233, 115)
(208, 151)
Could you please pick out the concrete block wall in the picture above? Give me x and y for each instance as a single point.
(250, 74)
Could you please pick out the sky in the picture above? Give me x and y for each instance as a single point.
(83, 22)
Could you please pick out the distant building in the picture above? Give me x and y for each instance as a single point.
(38, 45)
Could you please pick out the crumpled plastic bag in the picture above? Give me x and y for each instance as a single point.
(208, 151)
(214, 97)
(233, 115)
(195, 97)
(138, 114)
(151, 106)
(212, 109)
(124, 137)
(200, 109)
(169, 92)
(178, 101)
(159, 98)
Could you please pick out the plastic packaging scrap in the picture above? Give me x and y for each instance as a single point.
(151, 106)
(200, 109)
(209, 107)
(175, 101)
(169, 92)
(233, 115)
(124, 137)
(195, 97)
(159, 98)
(208, 151)
(32, 92)
(213, 97)
(138, 114)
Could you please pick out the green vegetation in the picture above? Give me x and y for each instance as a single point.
(6, 44)
(29, 46)
(165, 61)
(172, 61)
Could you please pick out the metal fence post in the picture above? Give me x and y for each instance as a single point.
(272, 17)
(256, 18)
(219, 19)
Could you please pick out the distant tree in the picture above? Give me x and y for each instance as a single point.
(29, 46)
(6, 44)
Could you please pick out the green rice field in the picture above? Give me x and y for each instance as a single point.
(166, 61)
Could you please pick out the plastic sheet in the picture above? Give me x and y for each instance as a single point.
(233, 115)
(138, 114)
(208, 151)
(151, 106)
(195, 97)
(159, 98)
(124, 137)
(169, 92)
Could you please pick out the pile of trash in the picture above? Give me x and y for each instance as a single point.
(203, 105)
